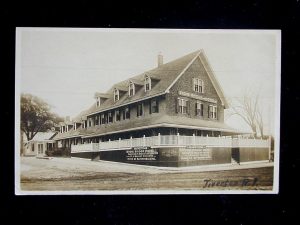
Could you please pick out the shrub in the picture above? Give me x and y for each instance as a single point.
(63, 152)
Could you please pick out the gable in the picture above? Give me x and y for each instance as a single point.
(200, 68)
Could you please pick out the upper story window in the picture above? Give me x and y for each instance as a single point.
(182, 103)
(212, 111)
(153, 106)
(140, 109)
(198, 85)
(147, 83)
(96, 120)
(199, 109)
(118, 115)
(90, 122)
(116, 95)
(98, 102)
(131, 91)
(110, 117)
(127, 112)
(103, 118)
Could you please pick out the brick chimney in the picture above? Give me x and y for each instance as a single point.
(160, 59)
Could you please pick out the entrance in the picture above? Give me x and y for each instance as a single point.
(235, 155)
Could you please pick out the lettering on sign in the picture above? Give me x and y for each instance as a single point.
(191, 95)
(142, 154)
(193, 154)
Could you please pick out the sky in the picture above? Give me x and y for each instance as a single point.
(65, 66)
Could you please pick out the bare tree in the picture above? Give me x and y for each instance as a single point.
(248, 109)
(260, 122)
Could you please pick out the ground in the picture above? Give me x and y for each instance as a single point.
(70, 174)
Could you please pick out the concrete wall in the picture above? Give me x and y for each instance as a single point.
(253, 154)
(177, 157)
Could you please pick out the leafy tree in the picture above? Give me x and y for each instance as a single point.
(36, 116)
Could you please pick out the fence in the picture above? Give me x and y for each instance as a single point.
(172, 141)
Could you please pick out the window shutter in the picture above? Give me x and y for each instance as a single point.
(157, 105)
(137, 110)
(196, 108)
(188, 106)
(176, 105)
(193, 84)
(208, 111)
(150, 107)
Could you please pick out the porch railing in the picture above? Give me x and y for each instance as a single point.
(172, 141)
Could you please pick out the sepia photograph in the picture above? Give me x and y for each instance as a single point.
(147, 111)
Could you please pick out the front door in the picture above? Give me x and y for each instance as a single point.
(40, 149)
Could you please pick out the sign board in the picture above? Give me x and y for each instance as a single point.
(142, 154)
(194, 154)
(192, 95)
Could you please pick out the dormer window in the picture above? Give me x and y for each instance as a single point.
(147, 83)
(131, 91)
(198, 85)
(116, 95)
(98, 102)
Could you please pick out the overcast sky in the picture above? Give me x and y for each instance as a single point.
(65, 67)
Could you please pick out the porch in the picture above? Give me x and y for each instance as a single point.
(161, 141)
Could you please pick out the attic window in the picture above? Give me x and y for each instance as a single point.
(147, 83)
(98, 102)
(198, 85)
(116, 95)
(131, 89)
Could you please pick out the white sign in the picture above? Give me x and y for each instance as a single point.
(191, 95)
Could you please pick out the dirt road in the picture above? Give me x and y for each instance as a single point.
(60, 174)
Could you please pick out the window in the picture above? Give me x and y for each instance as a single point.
(116, 95)
(110, 117)
(212, 111)
(140, 109)
(118, 115)
(96, 120)
(153, 106)
(147, 83)
(199, 109)
(131, 89)
(182, 103)
(127, 112)
(98, 102)
(103, 119)
(198, 85)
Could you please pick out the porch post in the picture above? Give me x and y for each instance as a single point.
(144, 140)
(178, 139)
(158, 142)
(194, 139)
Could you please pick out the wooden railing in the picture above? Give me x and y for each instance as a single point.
(172, 141)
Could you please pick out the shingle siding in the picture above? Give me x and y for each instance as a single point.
(185, 83)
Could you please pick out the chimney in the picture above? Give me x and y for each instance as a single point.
(67, 119)
(159, 59)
